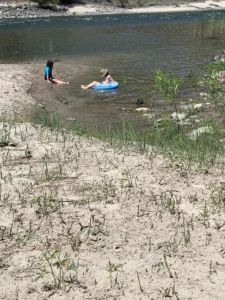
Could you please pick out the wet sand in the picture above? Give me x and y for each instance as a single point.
(23, 86)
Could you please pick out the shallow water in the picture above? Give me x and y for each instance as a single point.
(132, 47)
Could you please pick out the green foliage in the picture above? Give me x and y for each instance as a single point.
(167, 84)
(28, 153)
(46, 205)
(46, 118)
(210, 79)
(123, 79)
(212, 27)
(215, 86)
(163, 136)
(211, 83)
(52, 120)
(58, 267)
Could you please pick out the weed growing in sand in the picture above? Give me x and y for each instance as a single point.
(163, 266)
(218, 198)
(205, 214)
(59, 267)
(139, 283)
(46, 205)
(128, 180)
(170, 248)
(28, 153)
(187, 226)
(111, 267)
(170, 202)
(206, 150)
(169, 292)
(46, 118)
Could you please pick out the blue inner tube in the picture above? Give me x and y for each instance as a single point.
(102, 86)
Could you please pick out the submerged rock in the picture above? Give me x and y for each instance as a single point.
(149, 116)
(198, 106)
(204, 95)
(220, 76)
(186, 107)
(178, 116)
(194, 134)
(139, 101)
(141, 109)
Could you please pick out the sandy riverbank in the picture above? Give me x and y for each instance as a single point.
(195, 6)
(30, 10)
(126, 226)
(22, 86)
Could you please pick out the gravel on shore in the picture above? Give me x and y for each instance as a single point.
(31, 10)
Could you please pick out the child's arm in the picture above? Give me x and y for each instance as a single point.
(48, 78)
(110, 79)
(48, 74)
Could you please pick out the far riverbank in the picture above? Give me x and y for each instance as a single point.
(30, 10)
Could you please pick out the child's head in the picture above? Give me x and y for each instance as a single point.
(104, 72)
(49, 63)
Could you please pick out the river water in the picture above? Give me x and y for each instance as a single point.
(132, 47)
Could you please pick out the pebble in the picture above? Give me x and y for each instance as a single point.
(30, 11)
(142, 109)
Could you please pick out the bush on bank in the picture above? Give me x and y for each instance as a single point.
(43, 3)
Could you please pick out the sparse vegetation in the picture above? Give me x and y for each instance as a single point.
(212, 27)
(72, 211)
(114, 212)
(58, 267)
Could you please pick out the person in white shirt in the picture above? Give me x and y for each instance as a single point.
(104, 73)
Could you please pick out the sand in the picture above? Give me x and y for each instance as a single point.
(14, 83)
(82, 220)
(130, 226)
(99, 9)
(22, 86)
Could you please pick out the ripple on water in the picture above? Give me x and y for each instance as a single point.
(132, 47)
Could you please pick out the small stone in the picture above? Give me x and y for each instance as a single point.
(142, 109)
(149, 116)
(194, 134)
(178, 116)
(203, 94)
(186, 107)
(198, 106)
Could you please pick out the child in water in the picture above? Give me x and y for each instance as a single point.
(48, 74)
(104, 73)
